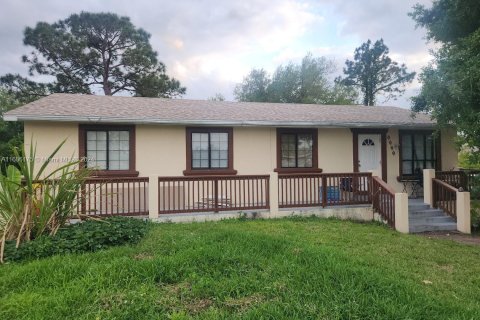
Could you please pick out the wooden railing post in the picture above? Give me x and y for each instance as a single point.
(215, 195)
(153, 197)
(434, 194)
(324, 191)
(370, 190)
(83, 199)
(464, 181)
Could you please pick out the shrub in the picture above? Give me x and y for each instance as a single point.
(475, 203)
(88, 236)
(37, 201)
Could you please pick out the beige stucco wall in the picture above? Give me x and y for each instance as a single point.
(47, 136)
(254, 150)
(160, 150)
(449, 150)
(335, 150)
(393, 159)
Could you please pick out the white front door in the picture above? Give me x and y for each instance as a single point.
(369, 153)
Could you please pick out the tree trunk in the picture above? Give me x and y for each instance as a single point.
(106, 86)
(106, 89)
(106, 71)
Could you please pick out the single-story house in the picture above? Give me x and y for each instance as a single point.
(145, 137)
(127, 136)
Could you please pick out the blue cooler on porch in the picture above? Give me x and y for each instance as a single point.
(333, 194)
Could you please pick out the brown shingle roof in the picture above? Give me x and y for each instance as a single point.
(86, 108)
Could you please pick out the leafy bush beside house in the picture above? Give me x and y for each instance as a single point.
(475, 204)
(469, 160)
(34, 203)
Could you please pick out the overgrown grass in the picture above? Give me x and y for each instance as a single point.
(276, 269)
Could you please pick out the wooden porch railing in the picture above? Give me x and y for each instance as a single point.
(463, 178)
(457, 179)
(114, 196)
(444, 197)
(213, 193)
(383, 200)
(300, 190)
(325, 189)
(473, 180)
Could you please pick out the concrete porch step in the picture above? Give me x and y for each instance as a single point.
(417, 206)
(440, 226)
(433, 219)
(422, 218)
(426, 213)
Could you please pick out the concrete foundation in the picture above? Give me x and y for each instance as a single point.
(360, 213)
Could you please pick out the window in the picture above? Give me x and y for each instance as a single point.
(418, 151)
(368, 142)
(297, 150)
(209, 149)
(108, 148)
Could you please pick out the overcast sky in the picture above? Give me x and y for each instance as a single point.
(211, 45)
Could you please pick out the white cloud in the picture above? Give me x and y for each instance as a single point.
(210, 45)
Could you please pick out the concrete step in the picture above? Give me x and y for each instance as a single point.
(434, 219)
(440, 226)
(422, 218)
(417, 206)
(426, 213)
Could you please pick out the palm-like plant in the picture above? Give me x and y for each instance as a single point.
(36, 202)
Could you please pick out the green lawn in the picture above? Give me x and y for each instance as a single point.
(262, 269)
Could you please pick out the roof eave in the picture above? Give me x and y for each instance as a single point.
(238, 123)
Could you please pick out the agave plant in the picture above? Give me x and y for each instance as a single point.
(37, 202)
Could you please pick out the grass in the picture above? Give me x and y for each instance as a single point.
(261, 269)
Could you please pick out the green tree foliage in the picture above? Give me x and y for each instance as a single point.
(23, 90)
(306, 82)
(254, 87)
(217, 97)
(468, 159)
(373, 72)
(14, 91)
(451, 83)
(10, 132)
(448, 21)
(89, 50)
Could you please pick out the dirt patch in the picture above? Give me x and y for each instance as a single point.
(143, 256)
(177, 288)
(448, 268)
(112, 301)
(297, 251)
(179, 297)
(197, 305)
(243, 303)
(454, 236)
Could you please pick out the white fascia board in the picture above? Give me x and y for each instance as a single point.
(237, 123)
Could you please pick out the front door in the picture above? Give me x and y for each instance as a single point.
(369, 153)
